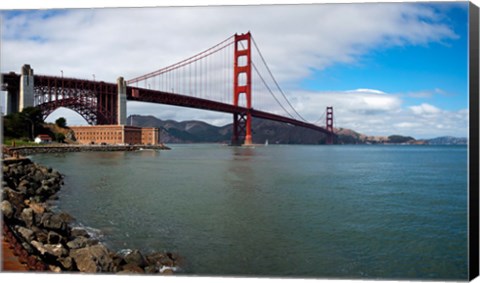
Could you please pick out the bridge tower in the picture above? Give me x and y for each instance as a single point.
(26, 88)
(329, 124)
(121, 101)
(242, 84)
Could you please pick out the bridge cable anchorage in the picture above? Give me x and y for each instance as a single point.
(275, 81)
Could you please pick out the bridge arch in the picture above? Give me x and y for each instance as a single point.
(79, 113)
(96, 102)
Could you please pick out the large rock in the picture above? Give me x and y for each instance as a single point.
(23, 187)
(93, 259)
(132, 268)
(66, 262)
(136, 258)
(15, 198)
(55, 250)
(38, 176)
(38, 208)
(7, 209)
(54, 238)
(151, 269)
(54, 222)
(41, 235)
(27, 234)
(78, 243)
(27, 217)
(45, 191)
(79, 232)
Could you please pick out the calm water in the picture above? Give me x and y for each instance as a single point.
(302, 211)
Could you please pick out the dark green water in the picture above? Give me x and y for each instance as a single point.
(304, 211)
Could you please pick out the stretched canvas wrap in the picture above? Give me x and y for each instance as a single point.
(325, 141)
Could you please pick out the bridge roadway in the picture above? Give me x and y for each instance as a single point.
(154, 96)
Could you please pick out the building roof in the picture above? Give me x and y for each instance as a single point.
(44, 137)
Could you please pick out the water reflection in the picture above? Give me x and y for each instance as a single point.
(240, 174)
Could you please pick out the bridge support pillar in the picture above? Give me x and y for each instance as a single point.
(242, 84)
(11, 103)
(329, 125)
(26, 88)
(121, 101)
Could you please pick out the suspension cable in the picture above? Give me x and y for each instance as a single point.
(275, 81)
(184, 62)
(271, 92)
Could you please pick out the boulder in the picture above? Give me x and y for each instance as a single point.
(27, 217)
(38, 246)
(27, 234)
(37, 176)
(41, 235)
(44, 191)
(38, 208)
(15, 198)
(79, 232)
(54, 238)
(92, 259)
(66, 262)
(78, 243)
(136, 258)
(54, 222)
(55, 250)
(54, 268)
(66, 217)
(7, 209)
(132, 268)
(167, 271)
(150, 269)
(117, 259)
(166, 261)
(155, 258)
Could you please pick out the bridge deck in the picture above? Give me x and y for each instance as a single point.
(146, 95)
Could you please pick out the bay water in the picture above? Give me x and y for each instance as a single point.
(363, 211)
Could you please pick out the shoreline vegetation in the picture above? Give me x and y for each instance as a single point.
(48, 240)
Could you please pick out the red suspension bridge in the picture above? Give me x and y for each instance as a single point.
(206, 81)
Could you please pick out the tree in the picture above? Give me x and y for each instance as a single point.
(61, 122)
(59, 137)
(23, 124)
(34, 117)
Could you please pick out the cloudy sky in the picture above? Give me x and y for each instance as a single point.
(386, 68)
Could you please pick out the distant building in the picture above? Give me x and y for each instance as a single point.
(115, 134)
(43, 139)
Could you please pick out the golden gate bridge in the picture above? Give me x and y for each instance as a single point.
(226, 77)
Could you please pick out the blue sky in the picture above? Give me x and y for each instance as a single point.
(387, 68)
(435, 71)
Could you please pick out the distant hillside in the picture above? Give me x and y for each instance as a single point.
(201, 132)
(275, 132)
(447, 140)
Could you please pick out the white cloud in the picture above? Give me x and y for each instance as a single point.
(424, 109)
(130, 42)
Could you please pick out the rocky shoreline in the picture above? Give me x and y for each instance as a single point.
(48, 241)
(28, 150)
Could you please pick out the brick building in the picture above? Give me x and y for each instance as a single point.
(115, 134)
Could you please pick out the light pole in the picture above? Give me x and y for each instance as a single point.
(62, 73)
